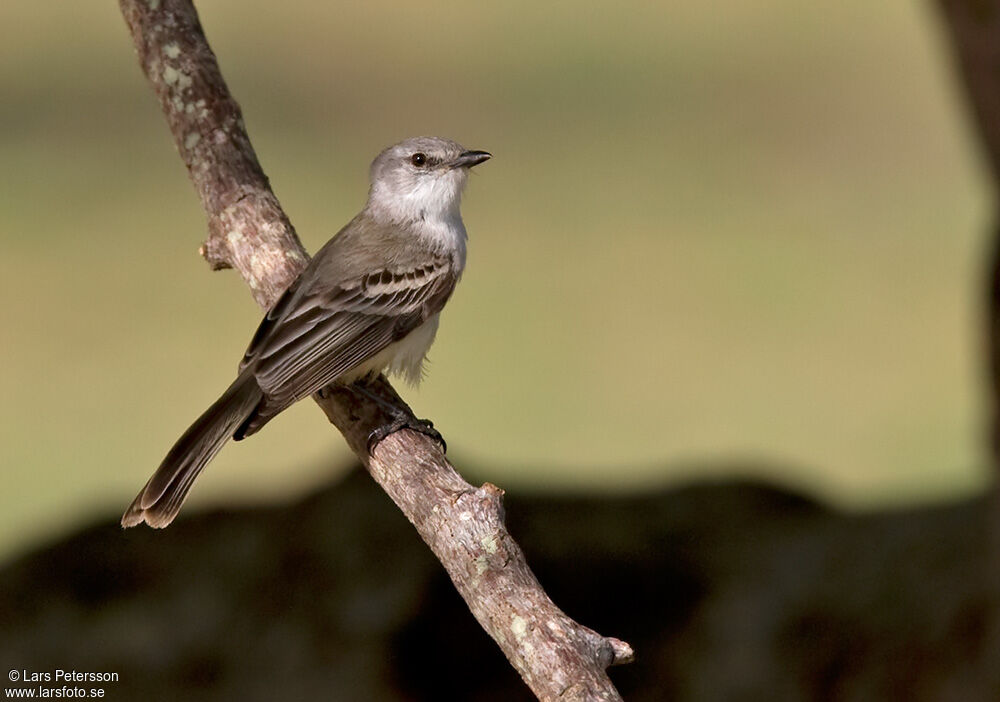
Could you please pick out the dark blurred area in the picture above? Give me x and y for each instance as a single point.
(727, 591)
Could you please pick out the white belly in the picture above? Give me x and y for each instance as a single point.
(404, 358)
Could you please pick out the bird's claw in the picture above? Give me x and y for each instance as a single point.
(424, 426)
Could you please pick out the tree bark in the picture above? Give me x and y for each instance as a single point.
(974, 27)
(248, 231)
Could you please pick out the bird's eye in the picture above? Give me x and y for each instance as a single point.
(418, 159)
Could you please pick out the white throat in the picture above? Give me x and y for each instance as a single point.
(429, 208)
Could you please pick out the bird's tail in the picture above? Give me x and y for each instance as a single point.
(159, 501)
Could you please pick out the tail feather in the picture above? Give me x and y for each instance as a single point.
(160, 500)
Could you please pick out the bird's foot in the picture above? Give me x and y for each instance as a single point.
(405, 421)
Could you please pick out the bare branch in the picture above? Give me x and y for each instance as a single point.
(248, 231)
(975, 33)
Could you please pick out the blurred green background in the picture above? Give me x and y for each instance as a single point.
(708, 237)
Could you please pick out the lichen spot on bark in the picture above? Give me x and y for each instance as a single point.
(519, 625)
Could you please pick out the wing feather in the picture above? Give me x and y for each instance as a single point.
(313, 336)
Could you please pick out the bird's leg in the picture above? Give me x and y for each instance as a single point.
(400, 419)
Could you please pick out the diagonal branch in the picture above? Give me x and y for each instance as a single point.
(974, 27)
(248, 231)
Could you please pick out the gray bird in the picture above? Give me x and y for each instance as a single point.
(368, 302)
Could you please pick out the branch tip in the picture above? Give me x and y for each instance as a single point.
(621, 652)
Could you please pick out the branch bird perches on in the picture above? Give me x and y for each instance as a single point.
(248, 231)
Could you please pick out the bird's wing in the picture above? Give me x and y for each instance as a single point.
(313, 336)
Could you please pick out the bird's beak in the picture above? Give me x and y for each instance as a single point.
(468, 159)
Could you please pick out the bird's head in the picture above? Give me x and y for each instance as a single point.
(421, 178)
